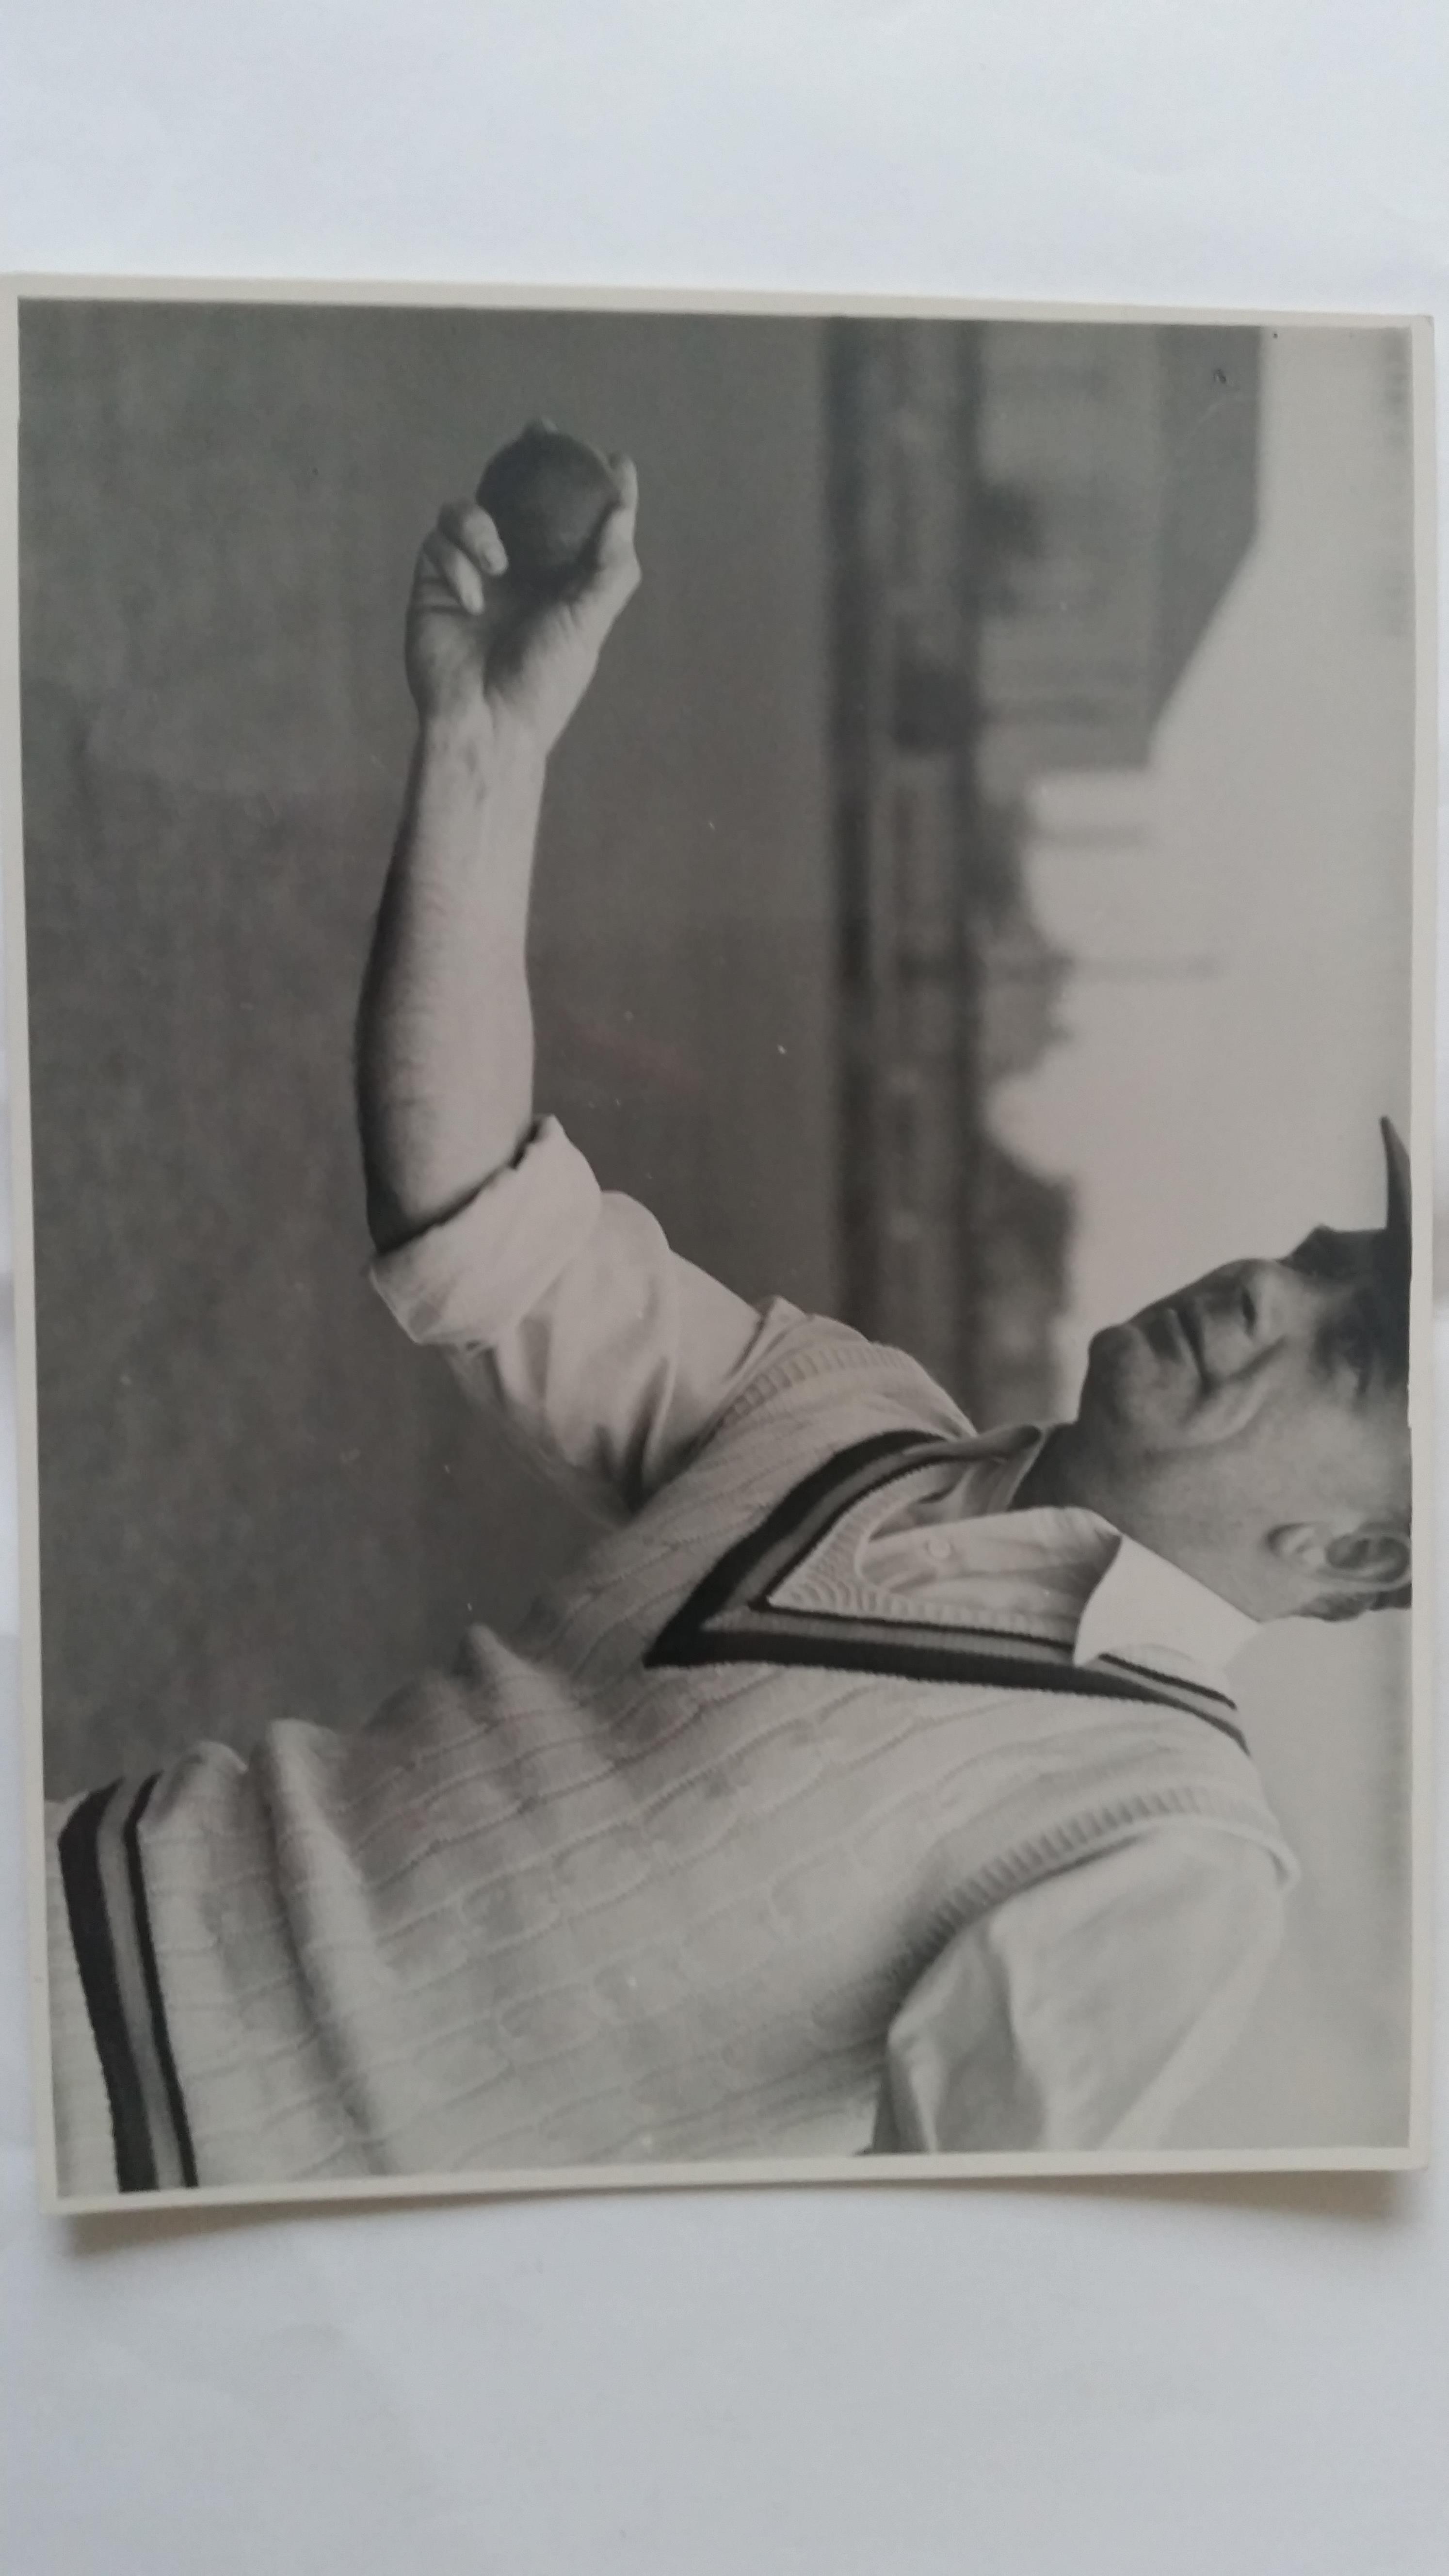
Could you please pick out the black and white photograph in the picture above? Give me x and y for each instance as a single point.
(718, 1060)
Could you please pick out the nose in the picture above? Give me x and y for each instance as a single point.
(1253, 1291)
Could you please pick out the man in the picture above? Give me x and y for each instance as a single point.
(869, 1782)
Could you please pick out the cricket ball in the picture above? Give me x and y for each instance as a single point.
(548, 495)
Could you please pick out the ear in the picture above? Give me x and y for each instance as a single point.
(1373, 1556)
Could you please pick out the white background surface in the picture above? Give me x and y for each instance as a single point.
(1251, 2377)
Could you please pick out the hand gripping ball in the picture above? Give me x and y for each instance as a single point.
(548, 495)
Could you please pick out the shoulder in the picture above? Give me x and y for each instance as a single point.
(809, 1364)
(1174, 1805)
(1234, 1867)
(1180, 1909)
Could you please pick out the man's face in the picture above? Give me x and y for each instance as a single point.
(1254, 1427)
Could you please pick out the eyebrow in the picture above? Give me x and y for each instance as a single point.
(1328, 1254)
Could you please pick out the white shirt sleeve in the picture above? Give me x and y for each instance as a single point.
(1087, 2010)
(562, 1308)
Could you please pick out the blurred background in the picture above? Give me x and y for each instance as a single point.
(974, 897)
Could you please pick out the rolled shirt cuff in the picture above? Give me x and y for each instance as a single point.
(474, 1276)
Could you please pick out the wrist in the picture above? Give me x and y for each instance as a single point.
(472, 750)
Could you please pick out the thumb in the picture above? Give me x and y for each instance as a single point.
(615, 557)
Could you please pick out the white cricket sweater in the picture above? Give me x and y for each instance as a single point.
(652, 1883)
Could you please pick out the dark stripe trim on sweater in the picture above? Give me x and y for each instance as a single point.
(90, 1933)
(103, 1875)
(730, 1616)
(160, 2032)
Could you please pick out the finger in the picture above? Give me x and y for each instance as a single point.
(626, 475)
(475, 534)
(456, 570)
(431, 588)
(615, 556)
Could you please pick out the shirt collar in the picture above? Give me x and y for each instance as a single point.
(1151, 1611)
(1141, 1605)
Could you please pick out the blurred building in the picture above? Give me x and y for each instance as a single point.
(1033, 526)
(1123, 462)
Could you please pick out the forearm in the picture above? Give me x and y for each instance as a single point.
(445, 1029)
(497, 664)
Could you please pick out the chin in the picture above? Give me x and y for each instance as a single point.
(1128, 1395)
(1116, 1381)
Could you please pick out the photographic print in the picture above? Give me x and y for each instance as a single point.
(717, 1057)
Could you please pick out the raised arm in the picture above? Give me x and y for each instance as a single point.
(563, 1309)
(445, 1029)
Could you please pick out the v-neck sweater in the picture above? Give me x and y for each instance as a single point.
(566, 1905)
